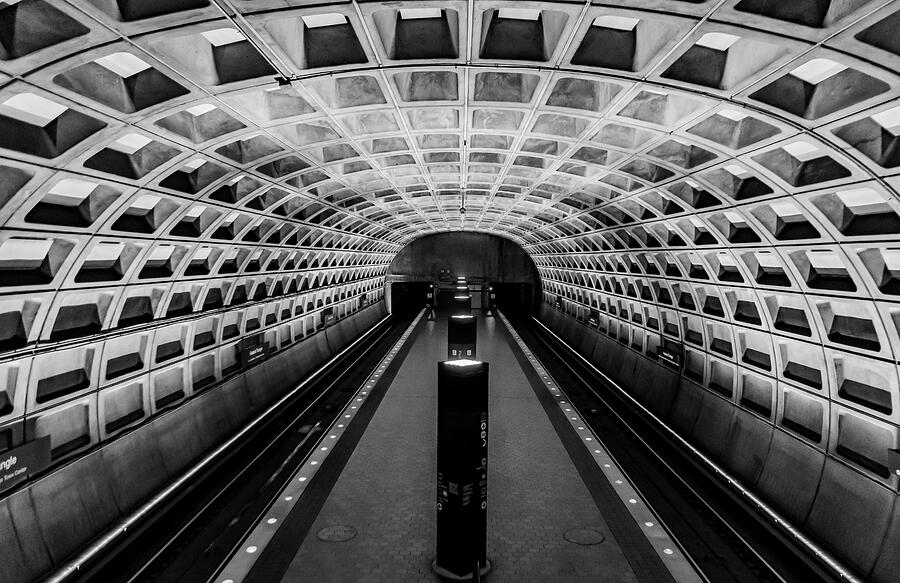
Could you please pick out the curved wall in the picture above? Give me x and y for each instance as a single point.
(820, 467)
(48, 520)
(718, 173)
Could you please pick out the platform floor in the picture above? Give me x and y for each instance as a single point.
(536, 497)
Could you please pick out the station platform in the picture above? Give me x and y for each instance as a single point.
(368, 513)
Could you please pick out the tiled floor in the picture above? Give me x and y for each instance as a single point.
(386, 491)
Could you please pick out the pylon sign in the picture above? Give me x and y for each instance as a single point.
(462, 451)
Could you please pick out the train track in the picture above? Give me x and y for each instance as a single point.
(727, 540)
(190, 538)
(193, 536)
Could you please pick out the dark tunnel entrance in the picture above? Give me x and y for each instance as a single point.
(488, 262)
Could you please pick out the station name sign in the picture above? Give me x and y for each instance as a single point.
(671, 355)
(17, 465)
(252, 349)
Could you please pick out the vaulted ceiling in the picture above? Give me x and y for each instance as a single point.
(722, 170)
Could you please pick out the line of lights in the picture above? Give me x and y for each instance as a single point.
(245, 556)
(674, 559)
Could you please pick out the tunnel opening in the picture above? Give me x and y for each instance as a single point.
(490, 264)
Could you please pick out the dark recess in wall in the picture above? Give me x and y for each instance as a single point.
(478, 256)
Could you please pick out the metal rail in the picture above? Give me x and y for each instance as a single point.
(828, 562)
(272, 444)
(149, 563)
(72, 568)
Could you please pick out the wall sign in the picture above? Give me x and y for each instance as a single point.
(17, 465)
(671, 354)
(252, 349)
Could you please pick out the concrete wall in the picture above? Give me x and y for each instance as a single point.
(845, 510)
(54, 517)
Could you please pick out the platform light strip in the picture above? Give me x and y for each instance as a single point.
(843, 573)
(672, 556)
(245, 555)
(99, 546)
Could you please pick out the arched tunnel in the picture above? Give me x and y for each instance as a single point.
(687, 207)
